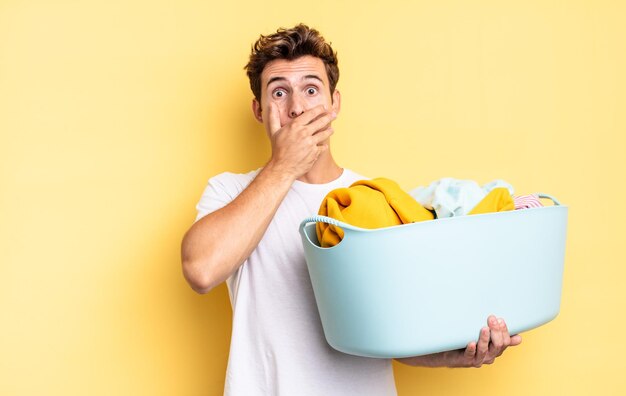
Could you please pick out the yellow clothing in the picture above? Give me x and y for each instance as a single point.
(372, 203)
(381, 203)
(497, 200)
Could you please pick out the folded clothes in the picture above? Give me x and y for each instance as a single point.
(381, 203)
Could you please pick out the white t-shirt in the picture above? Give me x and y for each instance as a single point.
(277, 345)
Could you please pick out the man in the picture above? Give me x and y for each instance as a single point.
(246, 234)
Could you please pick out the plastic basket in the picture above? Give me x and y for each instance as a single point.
(428, 287)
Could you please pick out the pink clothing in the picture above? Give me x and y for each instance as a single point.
(527, 201)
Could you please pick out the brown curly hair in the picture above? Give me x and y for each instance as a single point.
(290, 44)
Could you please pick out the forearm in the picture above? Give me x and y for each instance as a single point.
(433, 360)
(216, 245)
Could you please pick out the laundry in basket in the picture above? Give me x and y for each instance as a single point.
(427, 287)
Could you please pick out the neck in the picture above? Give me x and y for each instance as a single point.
(324, 170)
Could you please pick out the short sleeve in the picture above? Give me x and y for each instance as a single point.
(222, 190)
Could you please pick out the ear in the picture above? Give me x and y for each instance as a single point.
(336, 101)
(257, 110)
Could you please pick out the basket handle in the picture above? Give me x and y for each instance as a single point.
(548, 196)
(328, 220)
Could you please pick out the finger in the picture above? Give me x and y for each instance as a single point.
(322, 122)
(470, 351)
(496, 345)
(468, 356)
(515, 339)
(483, 346)
(506, 337)
(308, 116)
(274, 119)
(323, 135)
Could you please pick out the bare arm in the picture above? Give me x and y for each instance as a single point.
(216, 245)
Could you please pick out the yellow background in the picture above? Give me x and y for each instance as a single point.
(114, 114)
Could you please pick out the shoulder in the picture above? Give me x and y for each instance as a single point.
(232, 184)
(221, 190)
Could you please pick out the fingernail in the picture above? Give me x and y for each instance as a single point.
(333, 114)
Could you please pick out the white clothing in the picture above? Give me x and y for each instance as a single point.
(278, 345)
(453, 197)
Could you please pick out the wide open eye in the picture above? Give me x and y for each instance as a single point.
(279, 93)
(311, 91)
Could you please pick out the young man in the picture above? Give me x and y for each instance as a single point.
(246, 233)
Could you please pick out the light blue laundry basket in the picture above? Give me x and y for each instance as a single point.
(428, 287)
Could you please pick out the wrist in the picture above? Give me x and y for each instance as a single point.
(279, 173)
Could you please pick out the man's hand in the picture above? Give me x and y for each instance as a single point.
(297, 144)
(492, 342)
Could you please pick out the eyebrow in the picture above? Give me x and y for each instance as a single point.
(308, 76)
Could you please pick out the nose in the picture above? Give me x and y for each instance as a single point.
(296, 106)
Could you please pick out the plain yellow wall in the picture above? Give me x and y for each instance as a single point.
(114, 114)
